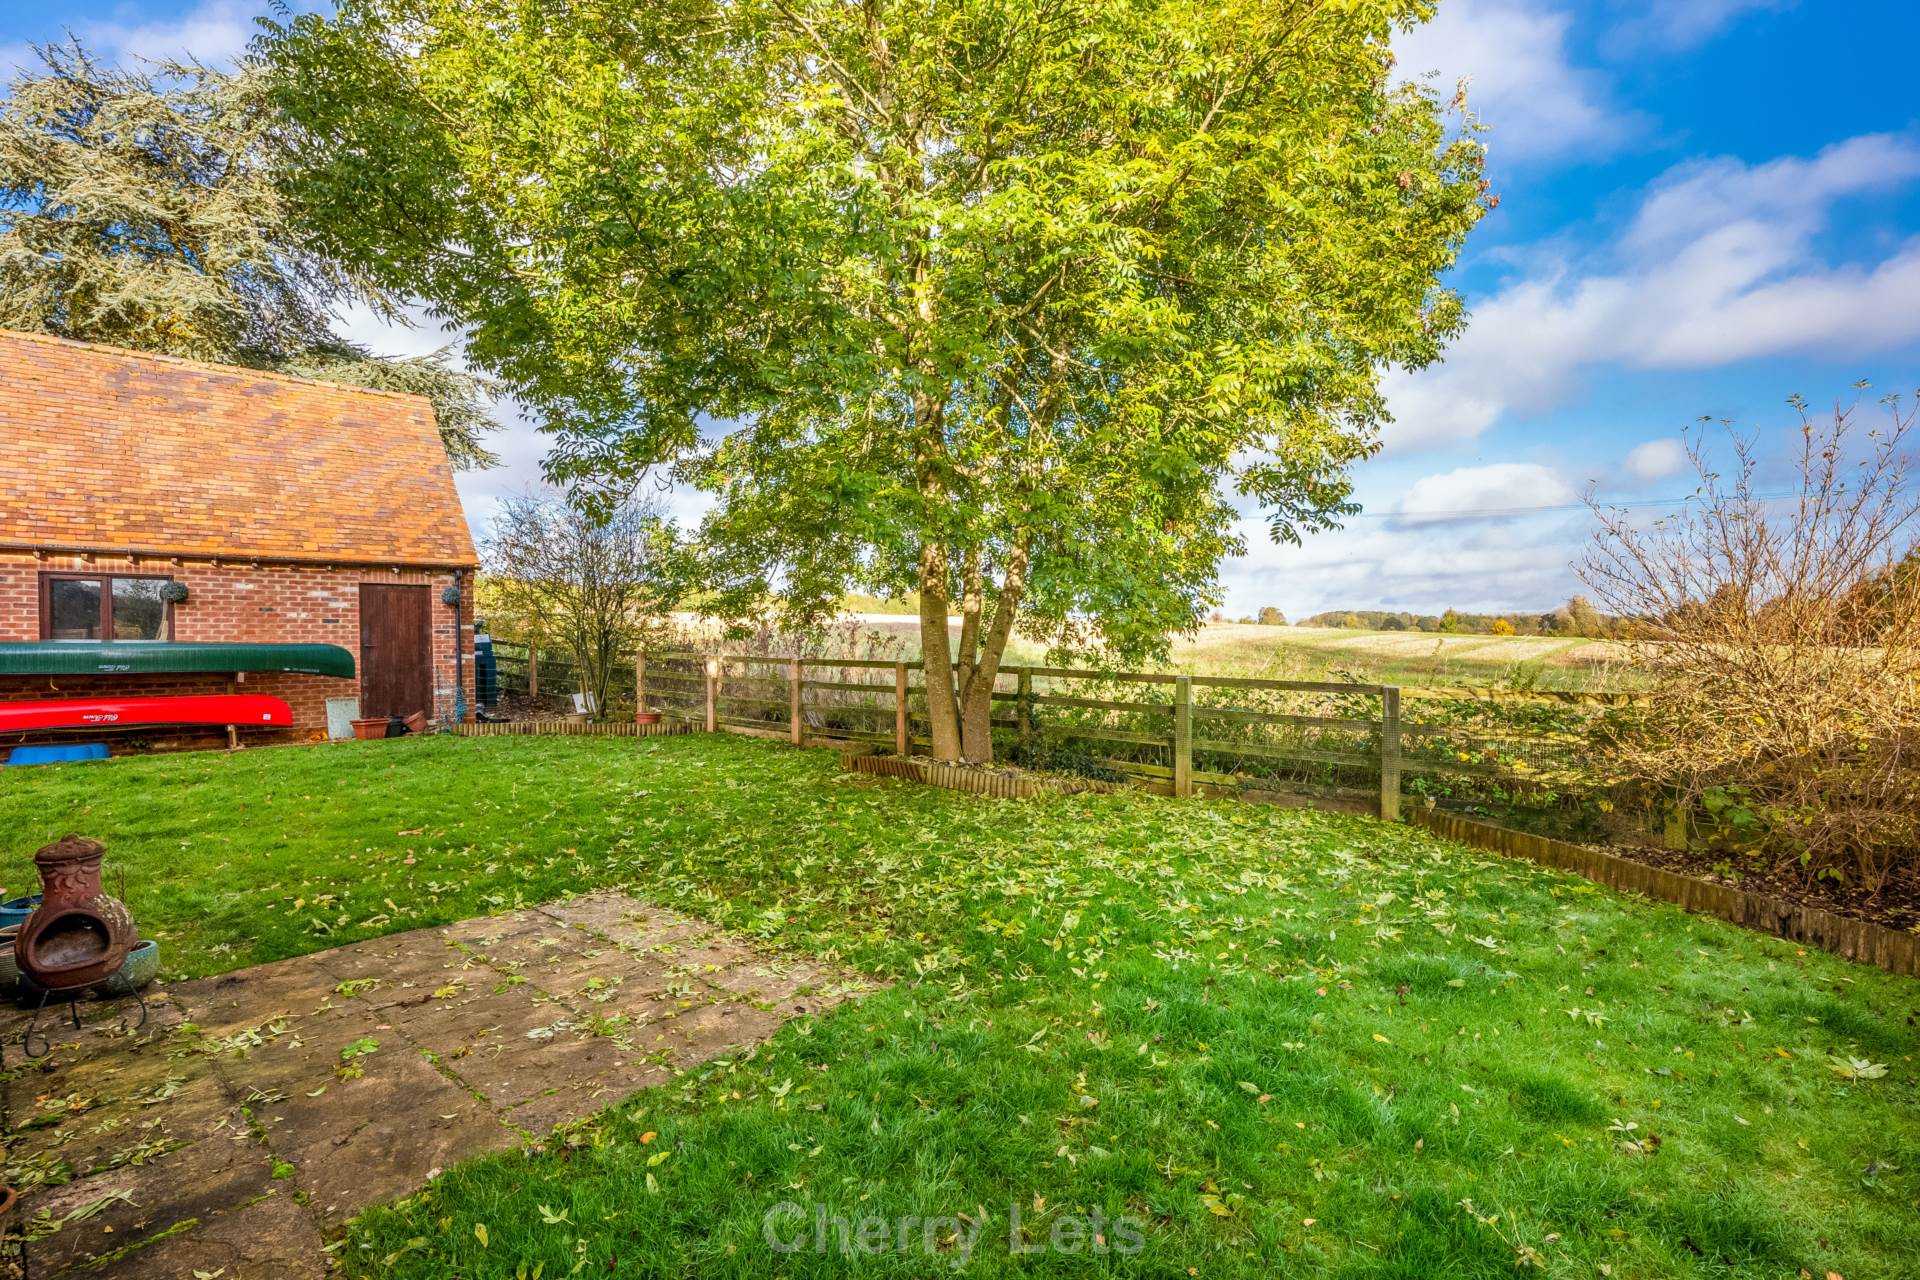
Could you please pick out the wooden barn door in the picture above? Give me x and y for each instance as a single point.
(396, 651)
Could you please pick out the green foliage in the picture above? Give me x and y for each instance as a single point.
(1002, 302)
(1421, 1024)
(140, 209)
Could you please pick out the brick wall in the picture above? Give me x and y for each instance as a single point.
(243, 604)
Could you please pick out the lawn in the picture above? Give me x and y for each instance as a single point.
(1254, 1041)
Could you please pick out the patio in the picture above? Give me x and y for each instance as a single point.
(258, 1110)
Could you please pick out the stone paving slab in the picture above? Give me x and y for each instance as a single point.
(257, 1111)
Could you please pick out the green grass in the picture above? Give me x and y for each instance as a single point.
(1223, 1020)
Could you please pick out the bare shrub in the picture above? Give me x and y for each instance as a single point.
(1781, 640)
(598, 584)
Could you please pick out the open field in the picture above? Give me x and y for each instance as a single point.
(1383, 657)
(1276, 1041)
(1403, 657)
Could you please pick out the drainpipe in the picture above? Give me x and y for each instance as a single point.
(459, 678)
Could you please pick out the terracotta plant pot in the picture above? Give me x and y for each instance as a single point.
(646, 717)
(369, 729)
(417, 722)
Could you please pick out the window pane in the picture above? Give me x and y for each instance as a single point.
(139, 610)
(75, 608)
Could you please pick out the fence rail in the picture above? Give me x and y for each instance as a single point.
(1488, 749)
(1169, 732)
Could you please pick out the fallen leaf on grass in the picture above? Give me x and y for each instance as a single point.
(1851, 1068)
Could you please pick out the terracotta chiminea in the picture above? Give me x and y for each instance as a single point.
(79, 936)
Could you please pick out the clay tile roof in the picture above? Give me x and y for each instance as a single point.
(103, 449)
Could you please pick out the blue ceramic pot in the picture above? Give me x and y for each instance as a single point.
(137, 972)
(14, 911)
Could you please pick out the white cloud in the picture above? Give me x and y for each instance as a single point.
(1656, 459)
(1670, 26)
(1524, 85)
(214, 31)
(1496, 490)
(1478, 567)
(1719, 265)
(1789, 196)
(1470, 538)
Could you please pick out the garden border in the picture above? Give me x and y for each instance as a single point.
(1858, 940)
(570, 728)
(1006, 786)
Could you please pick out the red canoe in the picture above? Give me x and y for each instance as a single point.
(241, 709)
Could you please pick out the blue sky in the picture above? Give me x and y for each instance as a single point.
(1706, 206)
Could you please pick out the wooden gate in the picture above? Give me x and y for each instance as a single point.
(396, 650)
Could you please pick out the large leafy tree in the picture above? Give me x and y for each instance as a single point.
(1005, 302)
(139, 208)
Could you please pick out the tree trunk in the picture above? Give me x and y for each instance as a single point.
(943, 711)
(960, 689)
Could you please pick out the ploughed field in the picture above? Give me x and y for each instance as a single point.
(1124, 1035)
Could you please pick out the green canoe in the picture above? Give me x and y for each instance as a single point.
(88, 657)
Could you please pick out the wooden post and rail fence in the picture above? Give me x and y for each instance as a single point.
(1177, 734)
(853, 701)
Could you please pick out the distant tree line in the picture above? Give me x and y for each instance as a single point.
(1577, 617)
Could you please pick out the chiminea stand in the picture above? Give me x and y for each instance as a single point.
(72, 997)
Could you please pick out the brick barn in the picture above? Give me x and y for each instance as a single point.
(162, 514)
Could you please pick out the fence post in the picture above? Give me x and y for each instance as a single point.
(1390, 754)
(900, 742)
(639, 683)
(793, 698)
(1183, 736)
(713, 695)
(1023, 709)
(533, 672)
